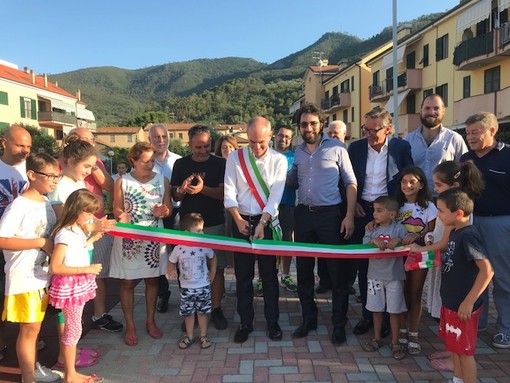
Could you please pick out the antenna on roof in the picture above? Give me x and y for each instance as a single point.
(318, 56)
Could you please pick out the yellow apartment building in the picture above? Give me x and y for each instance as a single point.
(120, 137)
(29, 99)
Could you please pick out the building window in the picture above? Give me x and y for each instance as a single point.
(352, 114)
(28, 108)
(130, 138)
(442, 48)
(180, 136)
(344, 86)
(334, 117)
(442, 90)
(427, 92)
(171, 135)
(376, 78)
(345, 114)
(389, 79)
(112, 138)
(425, 60)
(491, 80)
(4, 99)
(411, 60)
(466, 87)
(411, 104)
(352, 83)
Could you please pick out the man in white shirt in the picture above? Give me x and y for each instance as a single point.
(251, 216)
(432, 143)
(164, 164)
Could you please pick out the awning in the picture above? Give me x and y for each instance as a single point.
(85, 114)
(401, 96)
(478, 12)
(59, 104)
(503, 4)
(388, 58)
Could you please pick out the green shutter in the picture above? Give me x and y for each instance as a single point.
(22, 106)
(4, 99)
(34, 110)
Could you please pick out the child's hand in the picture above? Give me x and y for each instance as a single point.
(410, 238)
(172, 272)
(95, 268)
(211, 275)
(414, 248)
(465, 311)
(48, 246)
(103, 224)
(160, 210)
(96, 236)
(382, 244)
(124, 217)
(392, 243)
(370, 226)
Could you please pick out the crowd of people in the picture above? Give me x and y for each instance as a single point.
(428, 191)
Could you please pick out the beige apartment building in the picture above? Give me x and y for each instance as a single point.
(464, 56)
(32, 100)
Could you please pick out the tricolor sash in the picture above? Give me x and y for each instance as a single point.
(258, 187)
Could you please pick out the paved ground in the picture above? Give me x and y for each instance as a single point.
(313, 359)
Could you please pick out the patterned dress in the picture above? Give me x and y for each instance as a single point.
(133, 258)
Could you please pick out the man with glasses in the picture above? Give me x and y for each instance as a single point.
(254, 183)
(287, 205)
(377, 160)
(164, 164)
(197, 181)
(98, 181)
(319, 164)
(432, 143)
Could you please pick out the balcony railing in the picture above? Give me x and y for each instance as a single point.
(336, 101)
(375, 90)
(473, 47)
(57, 117)
(505, 34)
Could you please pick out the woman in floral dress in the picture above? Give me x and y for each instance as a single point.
(141, 197)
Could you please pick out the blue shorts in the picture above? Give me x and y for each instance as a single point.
(195, 301)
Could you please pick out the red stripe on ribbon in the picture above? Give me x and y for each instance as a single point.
(251, 184)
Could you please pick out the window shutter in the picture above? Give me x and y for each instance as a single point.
(22, 106)
(34, 109)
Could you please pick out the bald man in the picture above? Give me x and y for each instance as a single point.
(337, 130)
(251, 219)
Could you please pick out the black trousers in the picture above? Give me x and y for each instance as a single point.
(322, 226)
(244, 267)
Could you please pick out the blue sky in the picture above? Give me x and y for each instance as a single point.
(62, 35)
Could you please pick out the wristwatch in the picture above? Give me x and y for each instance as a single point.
(178, 190)
(263, 222)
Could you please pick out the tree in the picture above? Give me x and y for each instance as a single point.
(41, 141)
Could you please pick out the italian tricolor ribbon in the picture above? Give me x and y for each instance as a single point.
(256, 246)
(425, 260)
(258, 186)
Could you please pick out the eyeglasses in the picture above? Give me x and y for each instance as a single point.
(50, 177)
(371, 131)
(313, 124)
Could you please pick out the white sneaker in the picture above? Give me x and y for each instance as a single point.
(44, 374)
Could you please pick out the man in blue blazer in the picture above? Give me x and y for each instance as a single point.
(377, 161)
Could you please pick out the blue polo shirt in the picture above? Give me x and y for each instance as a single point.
(289, 194)
(495, 168)
(318, 174)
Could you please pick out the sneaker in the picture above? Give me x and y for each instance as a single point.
(218, 319)
(44, 374)
(107, 323)
(288, 283)
(258, 288)
(501, 340)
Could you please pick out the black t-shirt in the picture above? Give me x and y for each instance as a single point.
(459, 269)
(212, 172)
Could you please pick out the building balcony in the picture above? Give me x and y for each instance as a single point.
(337, 101)
(377, 93)
(407, 123)
(464, 108)
(411, 79)
(57, 118)
(482, 50)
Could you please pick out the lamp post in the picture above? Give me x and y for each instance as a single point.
(111, 153)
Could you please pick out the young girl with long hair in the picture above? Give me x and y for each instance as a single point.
(418, 214)
(73, 282)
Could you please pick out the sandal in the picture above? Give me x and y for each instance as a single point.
(93, 379)
(442, 364)
(130, 337)
(153, 330)
(185, 342)
(372, 345)
(402, 338)
(398, 352)
(205, 342)
(82, 361)
(89, 352)
(413, 347)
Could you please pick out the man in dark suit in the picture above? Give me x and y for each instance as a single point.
(377, 161)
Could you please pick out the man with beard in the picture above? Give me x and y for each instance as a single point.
(319, 164)
(432, 143)
(197, 181)
(164, 164)
(491, 214)
(287, 205)
(254, 183)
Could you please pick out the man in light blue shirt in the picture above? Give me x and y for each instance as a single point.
(432, 143)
